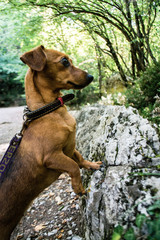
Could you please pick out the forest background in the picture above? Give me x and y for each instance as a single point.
(117, 41)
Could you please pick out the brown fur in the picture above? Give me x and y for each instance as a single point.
(47, 148)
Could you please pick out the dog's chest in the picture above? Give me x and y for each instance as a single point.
(70, 122)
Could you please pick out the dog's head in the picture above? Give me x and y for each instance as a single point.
(56, 68)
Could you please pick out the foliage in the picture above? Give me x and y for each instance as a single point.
(15, 37)
(150, 83)
(148, 227)
(24, 31)
(142, 95)
(100, 36)
(119, 24)
(11, 92)
(117, 233)
(11, 88)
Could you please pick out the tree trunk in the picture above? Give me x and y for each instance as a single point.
(115, 58)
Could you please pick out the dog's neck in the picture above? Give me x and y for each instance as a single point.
(37, 96)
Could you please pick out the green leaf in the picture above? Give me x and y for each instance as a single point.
(116, 236)
(151, 227)
(140, 219)
(129, 235)
(118, 229)
(157, 224)
(154, 207)
(157, 235)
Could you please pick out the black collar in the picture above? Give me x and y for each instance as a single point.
(31, 115)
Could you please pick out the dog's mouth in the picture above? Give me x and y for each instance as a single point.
(76, 86)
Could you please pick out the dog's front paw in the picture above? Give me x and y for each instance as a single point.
(78, 188)
(82, 194)
(95, 165)
(81, 191)
(91, 165)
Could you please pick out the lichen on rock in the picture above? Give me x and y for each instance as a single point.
(128, 146)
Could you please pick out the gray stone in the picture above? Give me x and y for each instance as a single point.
(70, 232)
(76, 238)
(126, 144)
(52, 233)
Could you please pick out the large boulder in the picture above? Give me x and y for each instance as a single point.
(128, 181)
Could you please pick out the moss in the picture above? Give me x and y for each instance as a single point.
(158, 167)
(154, 191)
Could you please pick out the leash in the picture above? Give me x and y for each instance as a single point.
(7, 158)
(28, 117)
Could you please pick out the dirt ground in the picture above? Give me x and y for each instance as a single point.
(55, 214)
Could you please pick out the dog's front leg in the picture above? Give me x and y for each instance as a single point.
(84, 163)
(62, 163)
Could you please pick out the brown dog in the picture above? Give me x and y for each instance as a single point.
(47, 148)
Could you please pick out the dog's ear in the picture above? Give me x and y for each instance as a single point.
(35, 59)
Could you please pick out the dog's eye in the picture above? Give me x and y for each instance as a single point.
(65, 62)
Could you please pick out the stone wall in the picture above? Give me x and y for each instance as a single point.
(128, 146)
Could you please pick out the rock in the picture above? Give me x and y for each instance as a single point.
(128, 147)
(53, 232)
(58, 200)
(70, 232)
(76, 238)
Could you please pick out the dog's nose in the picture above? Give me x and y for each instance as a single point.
(90, 78)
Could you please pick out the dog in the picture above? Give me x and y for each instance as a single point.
(47, 148)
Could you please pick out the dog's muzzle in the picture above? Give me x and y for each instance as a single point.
(89, 78)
